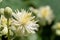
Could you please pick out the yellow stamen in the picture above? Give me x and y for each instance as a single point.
(26, 18)
(44, 12)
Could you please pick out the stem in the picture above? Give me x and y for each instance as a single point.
(23, 38)
(8, 28)
(0, 38)
(52, 37)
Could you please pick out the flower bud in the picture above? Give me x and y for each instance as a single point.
(1, 1)
(8, 12)
(1, 11)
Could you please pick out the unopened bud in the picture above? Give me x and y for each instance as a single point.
(8, 12)
(1, 11)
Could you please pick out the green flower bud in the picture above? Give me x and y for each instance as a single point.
(1, 1)
(8, 12)
(1, 11)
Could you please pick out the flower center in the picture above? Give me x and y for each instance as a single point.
(26, 18)
(58, 25)
(44, 12)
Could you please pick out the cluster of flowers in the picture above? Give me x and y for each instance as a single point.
(23, 22)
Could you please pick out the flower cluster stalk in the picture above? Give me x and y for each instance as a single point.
(8, 28)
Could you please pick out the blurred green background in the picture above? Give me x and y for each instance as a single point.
(25, 4)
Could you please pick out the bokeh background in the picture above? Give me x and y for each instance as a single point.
(25, 4)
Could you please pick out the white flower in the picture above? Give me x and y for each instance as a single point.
(25, 22)
(4, 30)
(44, 13)
(58, 32)
(56, 28)
(3, 20)
(4, 25)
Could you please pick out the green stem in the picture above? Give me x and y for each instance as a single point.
(0, 38)
(23, 38)
(8, 29)
(52, 37)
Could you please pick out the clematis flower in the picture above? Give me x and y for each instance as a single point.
(4, 25)
(25, 23)
(4, 31)
(44, 13)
